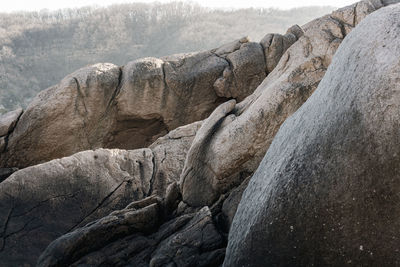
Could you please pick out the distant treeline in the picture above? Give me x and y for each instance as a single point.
(37, 49)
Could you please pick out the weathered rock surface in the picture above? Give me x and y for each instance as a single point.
(195, 237)
(168, 224)
(242, 74)
(197, 244)
(232, 150)
(231, 203)
(69, 117)
(169, 155)
(6, 172)
(130, 107)
(188, 240)
(42, 202)
(275, 45)
(326, 192)
(7, 124)
(70, 247)
(8, 121)
(199, 190)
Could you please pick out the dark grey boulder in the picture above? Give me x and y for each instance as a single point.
(188, 240)
(327, 192)
(66, 249)
(45, 201)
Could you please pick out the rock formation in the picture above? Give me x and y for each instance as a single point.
(329, 196)
(172, 204)
(42, 202)
(224, 160)
(106, 106)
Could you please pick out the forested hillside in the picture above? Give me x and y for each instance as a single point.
(37, 49)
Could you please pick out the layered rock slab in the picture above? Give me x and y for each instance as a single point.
(190, 239)
(326, 192)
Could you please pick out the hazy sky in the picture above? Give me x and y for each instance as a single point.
(14, 5)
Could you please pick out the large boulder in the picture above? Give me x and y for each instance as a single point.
(64, 119)
(40, 203)
(234, 145)
(327, 191)
(129, 107)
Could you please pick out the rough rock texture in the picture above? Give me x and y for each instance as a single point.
(192, 237)
(170, 224)
(231, 203)
(6, 172)
(201, 189)
(275, 45)
(188, 240)
(326, 193)
(195, 237)
(69, 117)
(7, 124)
(169, 155)
(242, 74)
(42, 202)
(8, 121)
(70, 247)
(2, 143)
(197, 244)
(130, 107)
(224, 160)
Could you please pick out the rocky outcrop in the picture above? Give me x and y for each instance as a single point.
(326, 192)
(131, 106)
(42, 202)
(225, 161)
(173, 222)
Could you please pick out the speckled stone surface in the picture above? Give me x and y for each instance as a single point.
(327, 192)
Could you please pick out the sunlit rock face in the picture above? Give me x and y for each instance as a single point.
(326, 192)
(129, 107)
